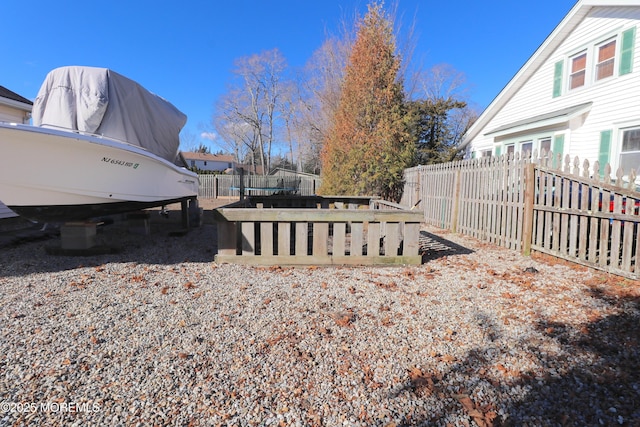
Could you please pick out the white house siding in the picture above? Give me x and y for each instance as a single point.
(616, 101)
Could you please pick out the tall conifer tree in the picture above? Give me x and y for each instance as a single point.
(369, 147)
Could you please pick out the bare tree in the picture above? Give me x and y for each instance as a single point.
(248, 113)
(262, 76)
(235, 136)
(317, 96)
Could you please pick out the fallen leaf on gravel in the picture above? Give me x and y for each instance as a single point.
(409, 273)
(447, 358)
(421, 381)
(473, 412)
(343, 318)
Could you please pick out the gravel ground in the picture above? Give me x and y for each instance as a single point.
(159, 334)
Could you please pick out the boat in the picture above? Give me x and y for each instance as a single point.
(100, 144)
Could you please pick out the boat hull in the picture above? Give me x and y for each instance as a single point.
(52, 175)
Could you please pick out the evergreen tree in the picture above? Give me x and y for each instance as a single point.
(368, 146)
(431, 125)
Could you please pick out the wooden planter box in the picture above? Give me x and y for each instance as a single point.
(286, 230)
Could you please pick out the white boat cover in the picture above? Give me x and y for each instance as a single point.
(103, 102)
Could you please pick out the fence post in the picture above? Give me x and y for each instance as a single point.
(241, 170)
(456, 202)
(529, 196)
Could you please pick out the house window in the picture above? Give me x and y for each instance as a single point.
(630, 153)
(526, 148)
(545, 145)
(193, 163)
(611, 57)
(606, 59)
(578, 70)
(510, 150)
(485, 153)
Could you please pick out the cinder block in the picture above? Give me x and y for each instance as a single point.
(138, 223)
(78, 235)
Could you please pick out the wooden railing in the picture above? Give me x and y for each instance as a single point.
(317, 231)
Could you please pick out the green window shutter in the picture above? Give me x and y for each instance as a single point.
(557, 79)
(605, 149)
(558, 148)
(626, 51)
(473, 154)
(498, 151)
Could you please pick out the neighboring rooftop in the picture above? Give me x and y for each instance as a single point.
(188, 155)
(6, 93)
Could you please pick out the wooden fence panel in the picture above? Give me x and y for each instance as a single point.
(214, 186)
(578, 213)
(336, 236)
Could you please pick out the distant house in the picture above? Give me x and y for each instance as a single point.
(208, 162)
(15, 109)
(579, 93)
(216, 163)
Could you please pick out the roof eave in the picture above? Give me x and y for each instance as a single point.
(562, 30)
(16, 104)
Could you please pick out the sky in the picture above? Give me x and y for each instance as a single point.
(184, 50)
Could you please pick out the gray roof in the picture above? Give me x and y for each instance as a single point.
(6, 93)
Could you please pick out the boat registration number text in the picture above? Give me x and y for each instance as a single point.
(120, 162)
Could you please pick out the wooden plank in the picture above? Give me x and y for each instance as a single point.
(320, 239)
(548, 216)
(603, 252)
(284, 238)
(564, 224)
(540, 198)
(316, 215)
(594, 207)
(573, 221)
(529, 195)
(411, 242)
(357, 238)
(373, 239)
(616, 231)
(627, 245)
(392, 239)
(248, 238)
(302, 239)
(339, 238)
(319, 260)
(266, 238)
(583, 238)
(227, 238)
